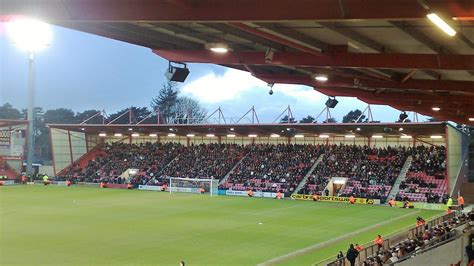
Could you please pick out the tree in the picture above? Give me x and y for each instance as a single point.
(352, 117)
(185, 108)
(166, 100)
(59, 116)
(8, 112)
(138, 113)
(285, 120)
(308, 119)
(82, 116)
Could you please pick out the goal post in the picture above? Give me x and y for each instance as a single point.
(193, 185)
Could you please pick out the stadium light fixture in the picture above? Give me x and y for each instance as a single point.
(231, 129)
(231, 135)
(253, 135)
(171, 135)
(274, 136)
(135, 135)
(130, 129)
(83, 129)
(436, 109)
(323, 136)
(220, 48)
(405, 136)
(28, 34)
(102, 134)
(440, 23)
(349, 136)
(322, 78)
(190, 135)
(400, 129)
(153, 135)
(471, 119)
(210, 135)
(32, 36)
(358, 129)
(436, 137)
(377, 136)
(299, 136)
(117, 134)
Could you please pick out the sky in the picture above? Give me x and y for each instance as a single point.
(82, 71)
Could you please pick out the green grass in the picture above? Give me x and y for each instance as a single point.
(90, 226)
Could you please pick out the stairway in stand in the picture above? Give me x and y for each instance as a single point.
(223, 180)
(400, 178)
(305, 178)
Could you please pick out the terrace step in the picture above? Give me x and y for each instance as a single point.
(224, 179)
(400, 178)
(305, 178)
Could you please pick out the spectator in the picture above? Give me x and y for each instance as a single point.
(352, 254)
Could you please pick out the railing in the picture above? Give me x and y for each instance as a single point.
(394, 238)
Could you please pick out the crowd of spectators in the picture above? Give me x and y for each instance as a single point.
(205, 161)
(425, 238)
(371, 171)
(273, 168)
(426, 179)
(114, 159)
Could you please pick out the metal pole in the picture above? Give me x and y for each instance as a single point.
(30, 115)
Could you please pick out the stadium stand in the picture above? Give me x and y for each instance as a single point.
(272, 168)
(425, 238)
(427, 178)
(372, 171)
(205, 161)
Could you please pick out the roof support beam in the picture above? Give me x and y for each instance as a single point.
(348, 60)
(415, 84)
(225, 11)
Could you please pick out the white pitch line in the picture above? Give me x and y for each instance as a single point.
(325, 243)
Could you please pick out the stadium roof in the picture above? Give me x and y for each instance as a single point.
(264, 130)
(10, 123)
(380, 51)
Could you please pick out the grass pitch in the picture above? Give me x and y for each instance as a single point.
(90, 226)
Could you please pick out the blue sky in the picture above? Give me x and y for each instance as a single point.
(82, 71)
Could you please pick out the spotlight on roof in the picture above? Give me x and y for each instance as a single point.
(177, 72)
(135, 135)
(274, 136)
(231, 129)
(220, 48)
(153, 135)
(405, 136)
(400, 129)
(403, 116)
(252, 135)
(322, 78)
(436, 137)
(324, 136)
(190, 135)
(440, 23)
(83, 129)
(358, 129)
(299, 136)
(471, 119)
(349, 136)
(436, 109)
(210, 135)
(130, 129)
(117, 134)
(331, 102)
(102, 134)
(377, 136)
(231, 135)
(171, 135)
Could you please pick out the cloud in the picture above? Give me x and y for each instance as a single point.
(234, 84)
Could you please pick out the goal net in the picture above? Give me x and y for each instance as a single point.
(193, 185)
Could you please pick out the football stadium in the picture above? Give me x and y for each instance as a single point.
(180, 185)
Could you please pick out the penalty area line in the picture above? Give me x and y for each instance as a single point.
(317, 246)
